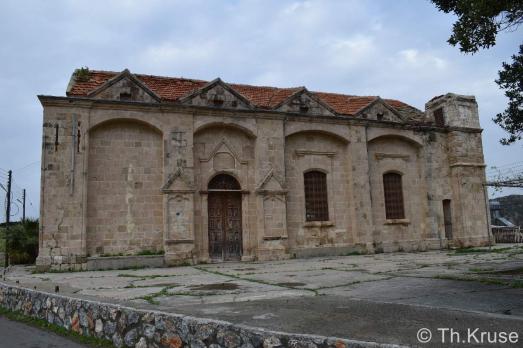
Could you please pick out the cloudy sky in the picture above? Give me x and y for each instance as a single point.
(395, 49)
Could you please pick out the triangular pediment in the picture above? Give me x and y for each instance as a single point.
(380, 110)
(223, 147)
(217, 94)
(177, 182)
(305, 103)
(125, 87)
(270, 183)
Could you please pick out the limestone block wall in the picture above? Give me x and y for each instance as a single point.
(124, 202)
(395, 154)
(61, 237)
(309, 150)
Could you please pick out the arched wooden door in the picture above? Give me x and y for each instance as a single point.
(225, 218)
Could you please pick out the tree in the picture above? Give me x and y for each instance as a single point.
(479, 22)
(511, 80)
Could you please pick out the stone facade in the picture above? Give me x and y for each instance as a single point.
(127, 161)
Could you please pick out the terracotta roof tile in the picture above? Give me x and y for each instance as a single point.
(173, 88)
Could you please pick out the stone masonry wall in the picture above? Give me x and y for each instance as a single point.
(124, 202)
(128, 327)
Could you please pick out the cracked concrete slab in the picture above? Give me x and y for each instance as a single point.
(365, 297)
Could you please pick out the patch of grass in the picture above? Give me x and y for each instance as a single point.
(151, 298)
(481, 270)
(90, 341)
(187, 293)
(143, 277)
(128, 275)
(471, 250)
(58, 271)
(488, 281)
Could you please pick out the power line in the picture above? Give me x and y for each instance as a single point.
(26, 166)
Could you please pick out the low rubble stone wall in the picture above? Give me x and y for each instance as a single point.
(129, 327)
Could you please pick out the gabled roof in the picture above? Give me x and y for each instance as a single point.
(172, 89)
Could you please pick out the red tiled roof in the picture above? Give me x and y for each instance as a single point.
(173, 88)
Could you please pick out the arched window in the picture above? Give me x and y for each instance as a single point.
(393, 196)
(316, 206)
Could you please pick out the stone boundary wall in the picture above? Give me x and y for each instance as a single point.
(129, 327)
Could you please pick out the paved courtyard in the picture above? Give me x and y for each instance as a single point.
(384, 298)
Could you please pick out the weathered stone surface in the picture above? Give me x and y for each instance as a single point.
(109, 328)
(75, 323)
(197, 344)
(99, 326)
(171, 341)
(272, 342)
(142, 343)
(130, 337)
(228, 339)
(117, 340)
(148, 331)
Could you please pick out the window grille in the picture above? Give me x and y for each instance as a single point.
(439, 118)
(393, 196)
(316, 206)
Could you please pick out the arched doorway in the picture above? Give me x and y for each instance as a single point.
(225, 218)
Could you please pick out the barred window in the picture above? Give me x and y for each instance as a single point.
(393, 196)
(439, 118)
(316, 207)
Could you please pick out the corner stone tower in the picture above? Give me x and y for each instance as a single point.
(467, 211)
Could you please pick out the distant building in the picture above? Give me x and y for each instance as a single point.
(495, 215)
(212, 171)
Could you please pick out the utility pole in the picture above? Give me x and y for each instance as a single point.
(7, 215)
(23, 205)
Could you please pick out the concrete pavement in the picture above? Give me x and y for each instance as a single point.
(384, 298)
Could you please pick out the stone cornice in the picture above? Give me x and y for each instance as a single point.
(89, 103)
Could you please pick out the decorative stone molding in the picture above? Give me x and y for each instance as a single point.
(468, 164)
(380, 156)
(317, 153)
(223, 147)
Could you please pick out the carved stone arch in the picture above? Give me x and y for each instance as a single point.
(101, 123)
(407, 138)
(323, 132)
(224, 174)
(324, 171)
(249, 133)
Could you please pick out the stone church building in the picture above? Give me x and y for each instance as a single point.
(199, 171)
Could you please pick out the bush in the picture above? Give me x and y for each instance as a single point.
(22, 241)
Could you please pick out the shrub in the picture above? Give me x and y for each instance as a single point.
(22, 241)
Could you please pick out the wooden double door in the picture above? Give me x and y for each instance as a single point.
(225, 225)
